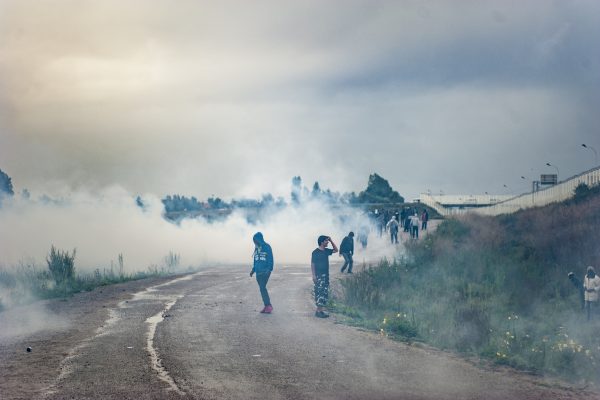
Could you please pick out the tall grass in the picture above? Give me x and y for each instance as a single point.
(494, 287)
(27, 281)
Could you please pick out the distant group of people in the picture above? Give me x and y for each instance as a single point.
(588, 288)
(408, 219)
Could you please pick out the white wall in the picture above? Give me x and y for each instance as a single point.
(553, 194)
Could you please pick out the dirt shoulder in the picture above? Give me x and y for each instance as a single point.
(52, 328)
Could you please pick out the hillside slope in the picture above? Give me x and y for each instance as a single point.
(493, 286)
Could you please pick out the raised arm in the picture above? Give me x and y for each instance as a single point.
(335, 249)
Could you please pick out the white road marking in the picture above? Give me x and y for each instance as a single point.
(155, 361)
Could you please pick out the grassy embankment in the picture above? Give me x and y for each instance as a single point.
(28, 282)
(492, 287)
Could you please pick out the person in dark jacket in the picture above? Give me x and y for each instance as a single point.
(263, 266)
(319, 265)
(424, 219)
(407, 222)
(579, 286)
(347, 251)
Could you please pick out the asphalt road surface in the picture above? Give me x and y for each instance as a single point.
(201, 336)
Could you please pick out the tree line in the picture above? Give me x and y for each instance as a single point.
(378, 190)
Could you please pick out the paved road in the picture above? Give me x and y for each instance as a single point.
(201, 337)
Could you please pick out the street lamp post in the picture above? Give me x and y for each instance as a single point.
(594, 150)
(532, 188)
(555, 167)
(526, 179)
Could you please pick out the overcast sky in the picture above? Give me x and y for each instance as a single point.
(233, 98)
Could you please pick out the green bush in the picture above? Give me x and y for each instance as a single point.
(61, 265)
(399, 325)
(472, 327)
(370, 287)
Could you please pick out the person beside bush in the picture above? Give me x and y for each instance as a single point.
(591, 285)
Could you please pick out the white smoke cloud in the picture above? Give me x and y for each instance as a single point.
(28, 320)
(104, 224)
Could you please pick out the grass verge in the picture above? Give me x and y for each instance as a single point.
(495, 288)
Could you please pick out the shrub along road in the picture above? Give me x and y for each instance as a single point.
(201, 337)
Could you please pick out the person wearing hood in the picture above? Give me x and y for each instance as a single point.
(263, 266)
(591, 286)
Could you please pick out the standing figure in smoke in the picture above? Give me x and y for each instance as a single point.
(393, 226)
(319, 264)
(579, 286)
(591, 285)
(414, 226)
(347, 251)
(363, 235)
(263, 266)
(406, 223)
(424, 219)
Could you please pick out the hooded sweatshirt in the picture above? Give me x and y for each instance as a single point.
(263, 255)
(591, 283)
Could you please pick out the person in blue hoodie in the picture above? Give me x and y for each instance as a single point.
(263, 266)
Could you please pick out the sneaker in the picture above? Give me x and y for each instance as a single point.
(349, 272)
(267, 310)
(321, 314)
(342, 270)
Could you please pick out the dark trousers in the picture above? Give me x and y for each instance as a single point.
(322, 290)
(424, 226)
(262, 278)
(415, 232)
(394, 236)
(347, 262)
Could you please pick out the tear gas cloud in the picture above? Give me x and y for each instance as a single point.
(27, 320)
(103, 225)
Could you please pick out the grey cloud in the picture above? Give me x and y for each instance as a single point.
(237, 97)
